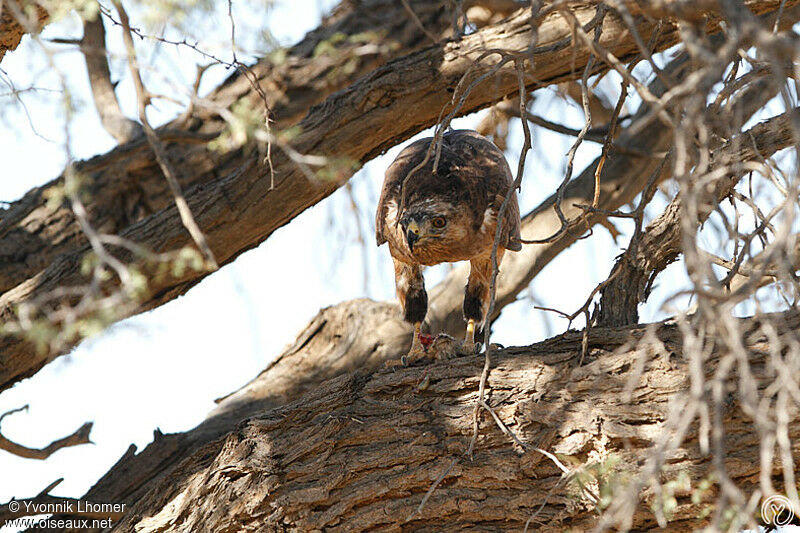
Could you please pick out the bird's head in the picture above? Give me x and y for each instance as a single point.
(427, 225)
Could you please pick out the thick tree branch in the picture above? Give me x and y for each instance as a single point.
(143, 100)
(624, 176)
(126, 185)
(361, 451)
(759, 271)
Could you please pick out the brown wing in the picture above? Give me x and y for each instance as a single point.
(486, 163)
(472, 171)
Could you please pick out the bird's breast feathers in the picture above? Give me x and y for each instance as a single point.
(460, 243)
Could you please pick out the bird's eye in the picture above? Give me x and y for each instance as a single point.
(439, 222)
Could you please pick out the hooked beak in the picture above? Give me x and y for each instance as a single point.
(412, 234)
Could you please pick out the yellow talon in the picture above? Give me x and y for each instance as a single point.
(469, 338)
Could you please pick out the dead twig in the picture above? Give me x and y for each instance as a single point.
(143, 98)
(80, 436)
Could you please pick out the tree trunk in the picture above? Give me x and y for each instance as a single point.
(360, 451)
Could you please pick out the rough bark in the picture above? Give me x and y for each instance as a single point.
(361, 450)
(31, 237)
(231, 195)
(354, 336)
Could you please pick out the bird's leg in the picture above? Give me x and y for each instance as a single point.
(476, 298)
(417, 351)
(473, 311)
(414, 300)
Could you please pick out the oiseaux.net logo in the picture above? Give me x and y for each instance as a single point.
(777, 511)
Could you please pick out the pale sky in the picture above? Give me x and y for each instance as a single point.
(164, 368)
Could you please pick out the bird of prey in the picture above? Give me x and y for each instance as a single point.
(447, 215)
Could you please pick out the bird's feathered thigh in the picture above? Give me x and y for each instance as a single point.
(465, 194)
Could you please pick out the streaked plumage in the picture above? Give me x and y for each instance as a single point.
(449, 215)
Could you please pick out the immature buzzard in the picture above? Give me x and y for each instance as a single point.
(448, 215)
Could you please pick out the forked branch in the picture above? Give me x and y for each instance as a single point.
(80, 436)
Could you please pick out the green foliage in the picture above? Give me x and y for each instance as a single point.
(75, 185)
(176, 13)
(245, 124)
(50, 327)
(336, 47)
(40, 333)
(88, 263)
(90, 326)
(345, 70)
(46, 334)
(328, 46)
(136, 288)
(338, 169)
(289, 134)
(331, 46)
(278, 56)
(58, 9)
(244, 121)
(606, 475)
(703, 489)
(186, 259)
(54, 197)
(666, 501)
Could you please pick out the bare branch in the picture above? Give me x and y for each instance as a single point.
(375, 103)
(397, 442)
(418, 22)
(633, 275)
(93, 47)
(143, 97)
(80, 436)
(599, 109)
